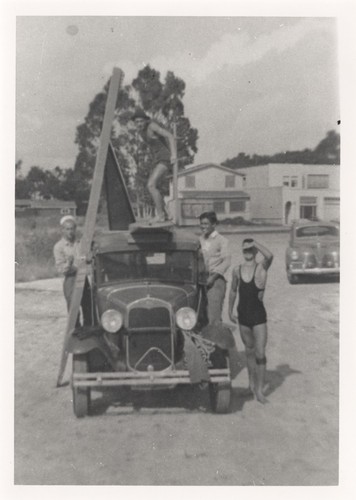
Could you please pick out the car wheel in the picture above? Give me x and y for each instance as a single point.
(292, 278)
(220, 395)
(81, 395)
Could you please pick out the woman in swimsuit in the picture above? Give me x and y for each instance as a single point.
(163, 149)
(249, 279)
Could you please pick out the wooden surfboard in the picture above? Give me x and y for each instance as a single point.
(90, 218)
(147, 226)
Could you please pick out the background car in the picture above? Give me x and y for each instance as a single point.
(314, 250)
(149, 331)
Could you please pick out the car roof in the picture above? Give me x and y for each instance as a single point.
(174, 239)
(302, 223)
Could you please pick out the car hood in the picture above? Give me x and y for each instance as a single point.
(331, 244)
(122, 296)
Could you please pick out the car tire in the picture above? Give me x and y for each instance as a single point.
(81, 395)
(220, 396)
(292, 278)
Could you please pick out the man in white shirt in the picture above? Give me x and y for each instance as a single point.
(66, 256)
(217, 259)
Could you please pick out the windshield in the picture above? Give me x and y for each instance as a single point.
(309, 231)
(141, 265)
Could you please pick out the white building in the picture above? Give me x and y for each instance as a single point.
(281, 192)
(210, 187)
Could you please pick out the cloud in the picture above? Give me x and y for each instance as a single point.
(237, 49)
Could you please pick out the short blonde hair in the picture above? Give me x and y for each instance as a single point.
(66, 218)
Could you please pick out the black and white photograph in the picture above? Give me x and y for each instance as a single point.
(177, 202)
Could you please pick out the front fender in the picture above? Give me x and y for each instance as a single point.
(78, 345)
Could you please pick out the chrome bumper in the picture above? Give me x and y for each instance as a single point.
(148, 379)
(317, 271)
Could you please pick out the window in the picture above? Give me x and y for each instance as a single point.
(229, 181)
(193, 210)
(65, 211)
(318, 181)
(237, 206)
(331, 200)
(219, 207)
(308, 207)
(190, 181)
(286, 180)
(294, 181)
(163, 266)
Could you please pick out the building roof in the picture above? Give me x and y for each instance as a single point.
(44, 203)
(313, 165)
(22, 203)
(52, 204)
(215, 194)
(203, 166)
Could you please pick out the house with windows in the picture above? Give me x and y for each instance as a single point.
(209, 187)
(280, 193)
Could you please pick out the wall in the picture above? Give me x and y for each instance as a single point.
(327, 202)
(203, 205)
(266, 204)
(273, 173)
(256, 177)
(210, 179)
(277, 171)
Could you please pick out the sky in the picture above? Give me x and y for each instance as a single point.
(253, 84)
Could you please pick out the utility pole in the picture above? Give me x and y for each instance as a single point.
(175, 180)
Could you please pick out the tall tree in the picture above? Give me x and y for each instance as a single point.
(163, 102)
(328, 149)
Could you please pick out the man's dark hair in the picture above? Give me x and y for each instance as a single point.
(247, 240)
(211, 216)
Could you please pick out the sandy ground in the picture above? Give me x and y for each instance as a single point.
(172, 438)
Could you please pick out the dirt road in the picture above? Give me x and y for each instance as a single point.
(173, 439)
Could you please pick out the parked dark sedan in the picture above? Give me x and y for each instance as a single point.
(149, 332)
(314, 250)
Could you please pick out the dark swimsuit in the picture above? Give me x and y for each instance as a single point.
(159, 149)
(251, 311)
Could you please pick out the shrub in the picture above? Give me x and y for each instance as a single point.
(34, 242)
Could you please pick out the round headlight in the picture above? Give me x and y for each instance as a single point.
(294, 255)
(111, 320)
(186, 318)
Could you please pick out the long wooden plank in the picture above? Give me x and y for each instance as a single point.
(90, 218)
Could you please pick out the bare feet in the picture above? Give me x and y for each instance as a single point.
(158, 218)
(260, 397)
(247, 393)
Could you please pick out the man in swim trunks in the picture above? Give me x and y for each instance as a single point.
(249, 280)
(163, 149)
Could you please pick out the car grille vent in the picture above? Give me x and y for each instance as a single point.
(141, 317)
(328, 261)
(150, 348)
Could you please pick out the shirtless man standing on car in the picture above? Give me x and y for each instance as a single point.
(249, 280)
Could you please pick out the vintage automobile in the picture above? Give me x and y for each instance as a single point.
(313, 250)
(150, 329)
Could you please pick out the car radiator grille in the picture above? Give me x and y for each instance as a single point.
(141, 317)
(150, 338)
